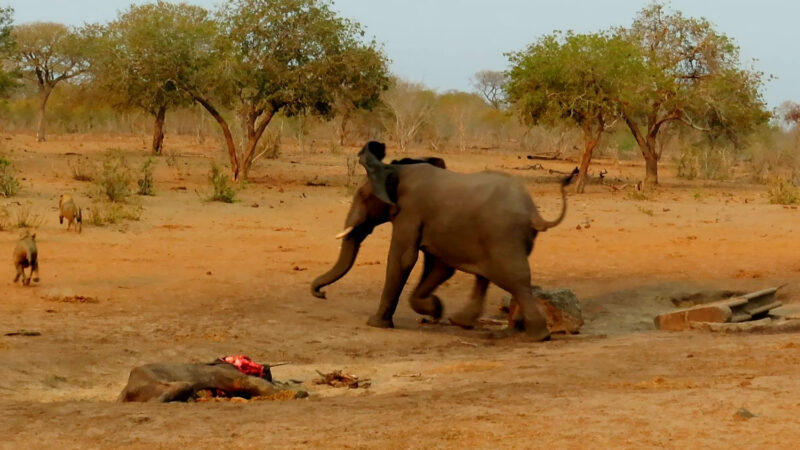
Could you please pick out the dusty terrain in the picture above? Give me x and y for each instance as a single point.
(194, 280)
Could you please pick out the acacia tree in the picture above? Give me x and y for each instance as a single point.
(358, 89)
(141, 54)
(289, 56)
(8, 73)
(489, 84)
(693, 77)
(50, 53)
(572, 78)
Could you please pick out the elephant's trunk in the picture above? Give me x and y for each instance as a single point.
(347, 256)
(538, 222)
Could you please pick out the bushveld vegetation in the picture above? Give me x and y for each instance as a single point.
(667, 86)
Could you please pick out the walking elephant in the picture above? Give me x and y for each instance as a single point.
(483, 223)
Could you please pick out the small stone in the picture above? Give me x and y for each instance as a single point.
(743, 414)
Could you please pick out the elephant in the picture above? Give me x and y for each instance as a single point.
(482, 223)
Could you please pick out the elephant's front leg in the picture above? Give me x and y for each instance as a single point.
(434, 273)
(403, 254)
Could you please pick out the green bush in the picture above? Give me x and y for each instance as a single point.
(9, 185)
(782, 192)
(223, 191)
(115, 178)
(146, 182)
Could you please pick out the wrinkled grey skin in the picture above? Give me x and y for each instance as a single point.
(26, 255)
(483, 223)
(179, 382)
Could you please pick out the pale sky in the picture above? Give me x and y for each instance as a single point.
(442, 43)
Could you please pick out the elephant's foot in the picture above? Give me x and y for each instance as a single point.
(467, 317)
(379, 322)
(428, 306)
(536, 330)
(464, 320)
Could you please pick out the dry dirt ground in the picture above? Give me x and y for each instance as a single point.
(194, 280)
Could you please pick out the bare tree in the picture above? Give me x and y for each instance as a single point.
(489, 84)
(409, 106)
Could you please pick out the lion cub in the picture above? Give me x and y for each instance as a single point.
(68, 210)
(26, 255)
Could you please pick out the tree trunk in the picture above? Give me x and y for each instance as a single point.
(254, 134)
(158, 130)
(226, 131)
(40, 133)
(343, 128)
(586, 159)
(651, 169)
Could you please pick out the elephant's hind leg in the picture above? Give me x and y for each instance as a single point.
(466, 317)
(434, 273)
(515, 277)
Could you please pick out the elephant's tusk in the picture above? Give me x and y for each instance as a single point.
(344, 233)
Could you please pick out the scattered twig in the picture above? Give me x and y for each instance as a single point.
(339, 379)
(23, 333)
(408, 375)
(471, 344)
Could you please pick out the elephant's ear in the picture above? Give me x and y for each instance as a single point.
(376, 148)
(383, 177)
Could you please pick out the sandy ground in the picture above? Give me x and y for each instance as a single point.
(194, 280)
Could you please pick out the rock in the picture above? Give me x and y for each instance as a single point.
(743, 414)
(561, 306)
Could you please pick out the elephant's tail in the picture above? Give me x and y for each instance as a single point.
(538, 223)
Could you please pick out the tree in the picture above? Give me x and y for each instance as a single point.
(790, 112)
(693, 77)
(489, 84)
(462, 110)
(142, 53)
(50, 53)
(573, 78)
(409, 107)
(8, 75)
(289, 56)
(358, 91)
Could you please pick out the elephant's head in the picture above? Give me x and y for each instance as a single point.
(372, 205)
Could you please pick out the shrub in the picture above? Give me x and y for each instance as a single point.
(109, 213)
(782, 192)
(82, 169)
(704, 162)
(9, 185)
(115, 178)
(146, 182)
(223, 191)
(25, 218)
